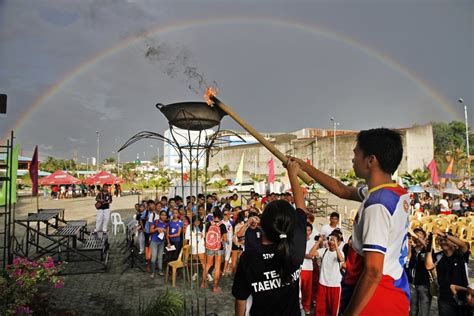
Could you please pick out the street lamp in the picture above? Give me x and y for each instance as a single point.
(98, 148)
(334, 143)
(467, 139)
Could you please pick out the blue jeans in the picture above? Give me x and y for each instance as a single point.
(420, 303)
(157, 253)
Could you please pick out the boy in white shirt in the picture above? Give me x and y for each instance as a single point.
(329, 291)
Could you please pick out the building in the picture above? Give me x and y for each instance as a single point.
(317, 146)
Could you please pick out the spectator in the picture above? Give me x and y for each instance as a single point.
(451, 268)
(418, 276)
(306, 278)
(329, 290)
(197, 242)
(158, 230)
(327, 229)
(103, 201)
(173, 235)
(216, 237)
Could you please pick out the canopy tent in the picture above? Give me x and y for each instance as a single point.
(104, 177)
(59, 177)
(416, 189)
(451, 189)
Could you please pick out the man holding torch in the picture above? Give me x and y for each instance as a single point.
(377, 283)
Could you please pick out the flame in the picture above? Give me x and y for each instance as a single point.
(210, 92)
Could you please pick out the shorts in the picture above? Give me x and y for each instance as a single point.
(214, 252)
(235, 247)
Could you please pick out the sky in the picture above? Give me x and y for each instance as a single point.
(71, 68)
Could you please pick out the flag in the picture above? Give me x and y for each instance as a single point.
(185, 177)
(240, 171)
(13, 167)
(449, 170)
(308, 161)
(434, 171)
(34, 173)
(271, 171)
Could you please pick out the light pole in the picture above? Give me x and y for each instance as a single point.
(467, 139)
(334, 143)
(98, 148)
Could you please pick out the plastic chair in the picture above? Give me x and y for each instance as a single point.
(116, 221)
(181, 262)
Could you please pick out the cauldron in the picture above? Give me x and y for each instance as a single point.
(195, 116)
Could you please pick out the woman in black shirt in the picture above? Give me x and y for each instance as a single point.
(267, 279)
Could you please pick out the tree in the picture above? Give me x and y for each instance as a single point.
(109, 160)
(450, 140)
(222, 171)
(416, 177)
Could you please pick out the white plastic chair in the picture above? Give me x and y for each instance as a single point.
(116, 221)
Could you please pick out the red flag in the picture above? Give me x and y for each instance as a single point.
(434, 171)
(271, 171)
(34, 172)
(185, 177)
(308, 161)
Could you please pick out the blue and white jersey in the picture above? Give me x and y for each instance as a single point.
(381, 226)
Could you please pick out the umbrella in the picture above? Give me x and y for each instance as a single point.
(416, 189)
(451, 189)
(448, 176)
(103, 177)
(59, 177)
(433, 191)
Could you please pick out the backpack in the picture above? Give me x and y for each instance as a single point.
(214, 237)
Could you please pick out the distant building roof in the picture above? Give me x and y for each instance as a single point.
(20, 158)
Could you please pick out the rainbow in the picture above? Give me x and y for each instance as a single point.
(181, 25)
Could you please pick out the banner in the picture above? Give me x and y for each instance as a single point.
(13, 166)
(434, 171)
(271, 171)
(34, 173)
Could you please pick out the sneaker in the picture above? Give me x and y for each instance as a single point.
(94, 234)
(141, 252)
(210, 278)
(194, 277)
(161, 273)
(152, 276)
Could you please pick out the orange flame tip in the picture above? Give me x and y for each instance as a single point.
(210, 92)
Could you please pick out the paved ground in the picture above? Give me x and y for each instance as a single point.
(117, 293)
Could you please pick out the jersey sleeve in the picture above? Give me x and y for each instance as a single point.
(241, 289)
(375, 228)
(362, 192)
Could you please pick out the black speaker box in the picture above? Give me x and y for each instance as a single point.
(3, 104)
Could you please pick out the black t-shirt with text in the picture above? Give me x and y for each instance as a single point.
(257, 278)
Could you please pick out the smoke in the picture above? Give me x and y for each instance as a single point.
(175, 62)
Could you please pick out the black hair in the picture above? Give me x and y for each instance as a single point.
(310, 226)
(217, 213)
(419, 230)
(150, 202)
(166, 213)
(201, 224)
(334, 214)
(164, 198)
(172, 199)
(384, 144)
(280, 218)
(240, 217)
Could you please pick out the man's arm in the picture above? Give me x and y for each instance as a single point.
(464, 247)
(334, 186)
(368, 282)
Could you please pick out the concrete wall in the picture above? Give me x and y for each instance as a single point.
(418, 150)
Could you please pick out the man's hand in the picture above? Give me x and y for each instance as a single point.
(437, 231)
(292, 166)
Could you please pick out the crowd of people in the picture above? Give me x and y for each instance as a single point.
(68, 191)
(282, 264)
